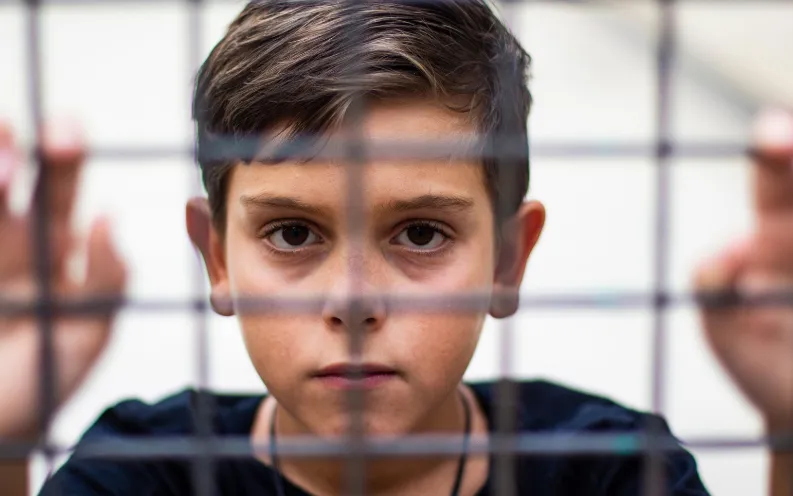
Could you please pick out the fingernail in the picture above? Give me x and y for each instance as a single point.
(62, 134)
(6, 136)
(774, 129)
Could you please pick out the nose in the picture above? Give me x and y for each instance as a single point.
(354, 314)
(354, 309)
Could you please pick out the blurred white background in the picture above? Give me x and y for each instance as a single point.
(123, 70)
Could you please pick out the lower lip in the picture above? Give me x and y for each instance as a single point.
(369, 381)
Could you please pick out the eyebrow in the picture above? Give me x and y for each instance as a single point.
(283, 202)
(436, 202)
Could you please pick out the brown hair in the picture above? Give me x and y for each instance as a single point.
(290, 61)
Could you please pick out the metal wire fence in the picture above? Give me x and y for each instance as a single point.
(205, 448)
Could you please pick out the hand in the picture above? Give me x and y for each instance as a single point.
(78, 338)
(755, 343)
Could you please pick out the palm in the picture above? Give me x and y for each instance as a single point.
(77, 340)
(756, 347)
(755, 342)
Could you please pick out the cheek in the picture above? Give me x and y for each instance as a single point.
(276, 346)
(439, 345)
(467, 271)
(247, 274)
(277, 343)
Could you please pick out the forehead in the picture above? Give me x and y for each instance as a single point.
(416, 119)
(394, 124)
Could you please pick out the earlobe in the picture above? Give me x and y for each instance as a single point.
(221, 302)
(198, 218)
(519, 236)
(504, 303)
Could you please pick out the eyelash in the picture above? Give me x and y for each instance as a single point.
(436, 226)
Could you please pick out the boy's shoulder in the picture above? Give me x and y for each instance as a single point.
(179, 414)
(543, 405)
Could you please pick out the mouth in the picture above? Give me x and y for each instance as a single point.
(347, 376)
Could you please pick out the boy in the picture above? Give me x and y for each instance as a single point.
(429, 228)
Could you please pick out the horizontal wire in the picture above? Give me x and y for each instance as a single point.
(525, 443)
(411, 150)
(474, 302)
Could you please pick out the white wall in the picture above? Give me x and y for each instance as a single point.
(122, 70)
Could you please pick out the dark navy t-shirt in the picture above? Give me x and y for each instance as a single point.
(543, 407)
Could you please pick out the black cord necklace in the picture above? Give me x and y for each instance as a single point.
(458, 480)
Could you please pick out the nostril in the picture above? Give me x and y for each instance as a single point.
(370, 320)
(336, 321)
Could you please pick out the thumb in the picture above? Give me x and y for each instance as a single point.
(717, 277)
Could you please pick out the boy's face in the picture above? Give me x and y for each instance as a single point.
(425, 230)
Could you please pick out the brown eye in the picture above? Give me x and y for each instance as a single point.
(421, 236)
(292, 236)
(295, 235)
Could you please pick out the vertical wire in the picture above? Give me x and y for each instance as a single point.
(41, 233)
(355, 165)
(507, 389)
(655, 479)
(356, 465)
(203, 463)
(506, 413)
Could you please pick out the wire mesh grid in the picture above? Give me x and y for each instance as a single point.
(204, 448)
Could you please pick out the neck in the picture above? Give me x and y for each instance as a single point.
(383, 475)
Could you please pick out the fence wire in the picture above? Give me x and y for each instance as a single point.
(205, 448)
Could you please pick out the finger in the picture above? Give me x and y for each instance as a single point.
(106, 272)
(62, 154)
(773, 171)
(12, 251)
(716, 278)
(9, 159)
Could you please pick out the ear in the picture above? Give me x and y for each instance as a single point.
(209, 242)
(519, 236)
